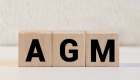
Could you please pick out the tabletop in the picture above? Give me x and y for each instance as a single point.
(129, 68)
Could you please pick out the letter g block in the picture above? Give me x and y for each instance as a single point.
(68, 48)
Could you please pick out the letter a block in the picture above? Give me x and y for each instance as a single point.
(35, 48)
(102, 49)
(69, 48)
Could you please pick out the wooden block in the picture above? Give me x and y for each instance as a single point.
(37, 42)
(96, 43)
(65, 44)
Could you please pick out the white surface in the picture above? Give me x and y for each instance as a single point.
(129, 56)
(121, 15)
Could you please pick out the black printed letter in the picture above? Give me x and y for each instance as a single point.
(109, 46)
(62, 50)
(35, 43)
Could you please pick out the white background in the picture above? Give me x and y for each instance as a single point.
(120, 15)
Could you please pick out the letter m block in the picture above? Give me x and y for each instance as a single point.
(102, 48)
(35, 48)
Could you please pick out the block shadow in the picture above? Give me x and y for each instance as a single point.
(129, 64)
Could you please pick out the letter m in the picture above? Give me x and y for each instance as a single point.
(109, 47)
